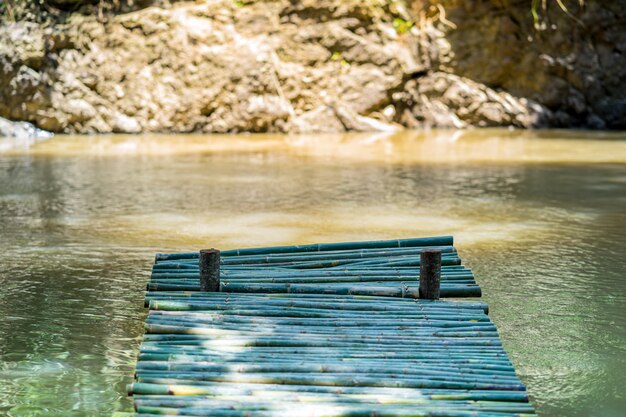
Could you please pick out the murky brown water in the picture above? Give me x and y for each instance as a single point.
(541, 217)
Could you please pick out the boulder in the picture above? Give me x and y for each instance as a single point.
(22, 131)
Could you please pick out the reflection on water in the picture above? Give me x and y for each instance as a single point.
(539, 216)
(443, 146)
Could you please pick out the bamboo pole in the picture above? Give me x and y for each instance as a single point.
(226, 388)
(318, 247)
(401, 290)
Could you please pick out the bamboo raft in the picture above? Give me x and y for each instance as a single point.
(326, 330)
(380, 268)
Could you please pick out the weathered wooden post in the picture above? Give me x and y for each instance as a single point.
(430, 274)
(210, 270)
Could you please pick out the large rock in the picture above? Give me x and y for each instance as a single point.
(319, 120)
(446, 100)
(573, 64)
(22, 131)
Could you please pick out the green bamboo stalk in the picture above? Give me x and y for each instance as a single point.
(425, 359)
(489, 352)
(369, 333)
(254, 401)
(334, 298)
(331, 380)
(344, 261)
(210, 309)
(289, 400)
(332, 412)
(414, 270)
(316, 369)
(308, 274)
(261, 396)
(319, 304)
(346, 254)
(225, 388)
(285, 341)
(178, 300)
(348, 326)
(177, 310)
(348, 322)
(261, 342)
(370, 337)
(420, 377)
(316, 304)
(477, 356)
(380, 280)
(339, 300)
(301, 366)
(352, 323)
(428, 241)
(199, 307)
(408, 291)
(487, 356)
(360, 331)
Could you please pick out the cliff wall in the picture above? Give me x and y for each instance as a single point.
(315, 66)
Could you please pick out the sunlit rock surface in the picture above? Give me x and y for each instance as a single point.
(312, 66)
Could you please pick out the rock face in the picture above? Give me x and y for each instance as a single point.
(22, 131)
(309, 66)
(573, 64)
(19, 135)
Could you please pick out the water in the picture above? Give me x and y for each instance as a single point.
(541, 217)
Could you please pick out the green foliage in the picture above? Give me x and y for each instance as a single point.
(14, 9)
(401, 25)
(536, 8)
(6, 9)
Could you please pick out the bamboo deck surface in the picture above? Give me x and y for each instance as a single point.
(321, 331)
(363, 268)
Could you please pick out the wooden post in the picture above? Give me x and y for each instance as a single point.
(210, 270)
(430, 274)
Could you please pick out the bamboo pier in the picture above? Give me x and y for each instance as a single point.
(350, 329)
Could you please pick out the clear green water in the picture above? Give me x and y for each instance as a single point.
(540, 217)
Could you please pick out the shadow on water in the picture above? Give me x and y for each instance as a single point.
(541, 221)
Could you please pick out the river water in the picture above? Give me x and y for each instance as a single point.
(539, 216)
